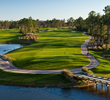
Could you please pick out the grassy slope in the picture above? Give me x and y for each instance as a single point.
(9, 35)
(28, 79)
(31, 79)
(104, 68)
(54, 50)
(25, 79)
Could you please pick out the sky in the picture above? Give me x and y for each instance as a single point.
(49, 9)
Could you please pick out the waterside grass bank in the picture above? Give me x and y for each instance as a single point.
(33, 80)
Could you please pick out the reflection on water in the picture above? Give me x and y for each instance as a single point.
(100, 89)
(28, 93)
(5, 48)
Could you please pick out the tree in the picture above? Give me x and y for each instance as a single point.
(91, 22)
(107, 14)
(28, 25)
(70, 22)
(97, 27)
(102, 28)
(80, 24)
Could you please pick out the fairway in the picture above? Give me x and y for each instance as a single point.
(9, 35)
(59, 49)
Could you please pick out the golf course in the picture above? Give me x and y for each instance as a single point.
(58, 49)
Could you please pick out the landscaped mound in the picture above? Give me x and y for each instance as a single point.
(29, 36)
(68, 75)
(86, 70)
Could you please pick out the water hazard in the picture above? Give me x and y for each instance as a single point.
(5, 48)
(29, 93)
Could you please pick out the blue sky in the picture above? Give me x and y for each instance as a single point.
(49, 9)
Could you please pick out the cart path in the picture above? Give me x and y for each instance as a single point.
(8, 66)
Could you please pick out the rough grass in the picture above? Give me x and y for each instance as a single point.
(31, 79)
(104, 68)
(60, 49)
(11, 36)
(48, 29)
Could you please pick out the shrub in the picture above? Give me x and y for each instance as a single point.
(108, 75)
(67, 74)
(100, 48)
(89, 71)
(95, 48)
(104, 46)
(89, 48)
(5, 57)
(85, 69)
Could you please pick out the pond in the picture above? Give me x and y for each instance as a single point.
(5, 48)
(29, 93)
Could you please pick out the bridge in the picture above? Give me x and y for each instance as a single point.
(95, 78)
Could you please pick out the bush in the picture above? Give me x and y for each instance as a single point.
(100, 48)
(89, 48)
(89, 71)
(108, 75)
(104, 46)
(95, 48)
(5, 57)
(85, 69)
(67, 74)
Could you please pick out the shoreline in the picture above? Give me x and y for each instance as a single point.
(72, 85)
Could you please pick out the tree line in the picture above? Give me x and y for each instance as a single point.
(28, 25)
(95, 24)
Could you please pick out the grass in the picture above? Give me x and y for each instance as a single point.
(54, 50)
(48, 29)
(11, 36)
(104, 68)
(60, 49)
(31, 79)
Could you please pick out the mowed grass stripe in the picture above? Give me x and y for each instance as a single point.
(59, 49)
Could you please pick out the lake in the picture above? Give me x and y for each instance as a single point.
(5, 48)
(29, 93)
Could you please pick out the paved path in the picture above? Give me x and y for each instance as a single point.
(7, 66)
